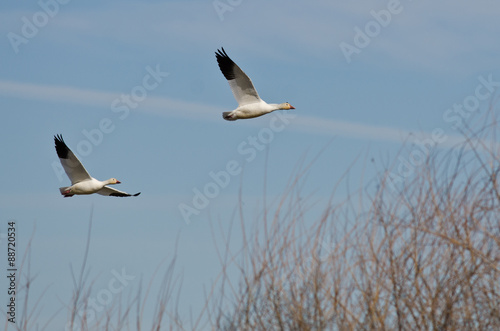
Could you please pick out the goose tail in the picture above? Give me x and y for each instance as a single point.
(63, 191)
(228, 116)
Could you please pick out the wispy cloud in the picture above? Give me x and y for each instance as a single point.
(363, 131)
(169, 107)
(55, 93)
(63, 94)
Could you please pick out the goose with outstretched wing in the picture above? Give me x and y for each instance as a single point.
(81, 181)
(250, 105)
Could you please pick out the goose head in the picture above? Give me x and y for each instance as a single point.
(113, 181)
(286, 106)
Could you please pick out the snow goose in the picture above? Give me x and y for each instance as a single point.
(81, 181)
(249, 103)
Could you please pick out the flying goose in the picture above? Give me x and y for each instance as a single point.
(249, 103)
(81, 181)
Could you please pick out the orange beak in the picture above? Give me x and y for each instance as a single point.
(118, 182)
(292, 107)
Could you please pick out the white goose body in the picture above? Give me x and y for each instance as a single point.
(81, 182)
(252, 110)
(89, 186)
(250, 105)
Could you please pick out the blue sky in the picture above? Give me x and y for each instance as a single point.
(71, 73)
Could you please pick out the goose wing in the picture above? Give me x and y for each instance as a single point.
(72, 166)
(108, 191)
(243, 90)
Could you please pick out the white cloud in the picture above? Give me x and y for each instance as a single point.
(168, 107)
(55, 93)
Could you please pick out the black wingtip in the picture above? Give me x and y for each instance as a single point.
(221, 53)
(121, 195)
(58, 137)
(226, 65)
(61, 147)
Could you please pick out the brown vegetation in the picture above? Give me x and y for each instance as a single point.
(423, 255)
(420, 255)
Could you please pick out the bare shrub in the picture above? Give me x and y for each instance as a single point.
(420, 255)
